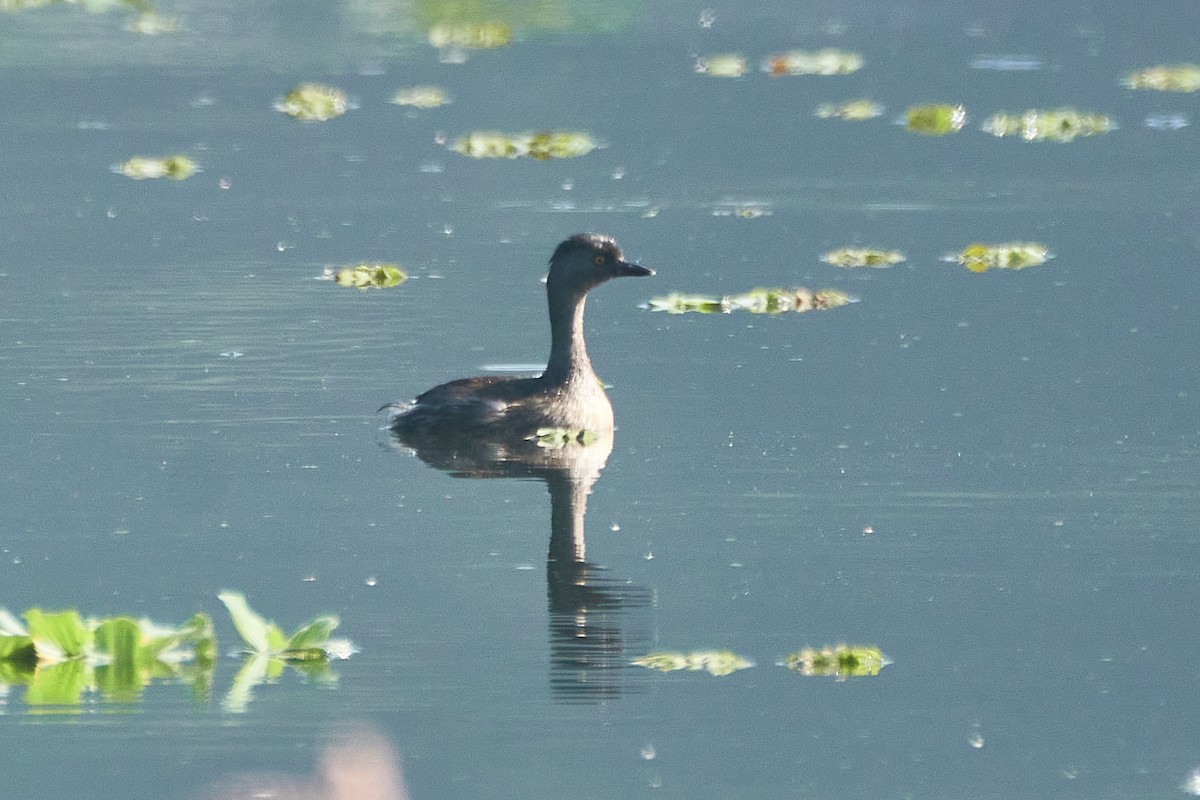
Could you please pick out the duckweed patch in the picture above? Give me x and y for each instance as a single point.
(482, 35)
(1047, 125)
(421, 97)
(980, 257)
(852, 257)
(935, 120)
(367, 276)
(714, 662)
(723, 65)
(540, 146)
(840, 661)
(313, 102)
(829, 61)
(850, 110)
(140, 168)
(755, 301)
(1165, 78)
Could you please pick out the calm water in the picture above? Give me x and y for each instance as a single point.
(994, 478)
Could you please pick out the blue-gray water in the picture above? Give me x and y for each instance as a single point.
(993, 477)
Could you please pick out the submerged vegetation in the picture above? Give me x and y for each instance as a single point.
(756, 301)
(61, 657)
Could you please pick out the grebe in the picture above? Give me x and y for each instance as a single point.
(568, 395)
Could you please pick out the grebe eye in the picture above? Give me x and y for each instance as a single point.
(598, 261)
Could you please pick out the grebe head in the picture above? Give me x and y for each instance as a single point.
(586, 260)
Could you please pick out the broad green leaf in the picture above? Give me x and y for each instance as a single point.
(59, 684)
(313, 636)
(260, 635)
(122, 678)
(17, 649)
(253, 673)
(58, 636)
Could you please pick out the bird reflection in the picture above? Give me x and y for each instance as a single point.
(587, 607)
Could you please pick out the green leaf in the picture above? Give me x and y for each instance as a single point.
(259, 634)
(121, 679)
(58, 636)
(59, 684)
(313, 636)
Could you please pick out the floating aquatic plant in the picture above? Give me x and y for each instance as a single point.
(151, 23)
(61, 657)
(829, 61)
(1048, 125)
(979, 257)
(935, 120)
(724, 65)
(310, 642)
(421, 97)
(1165, 78)
(540, 146)
(176, 168)
(558, 438)
(742, 210)
(313, 102)
(714, 662)
(840, 661)
(851, 110)
(849, 257)
(367, 276)
(756, 301)
(470, 35)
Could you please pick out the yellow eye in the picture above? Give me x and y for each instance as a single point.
(598, 261)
